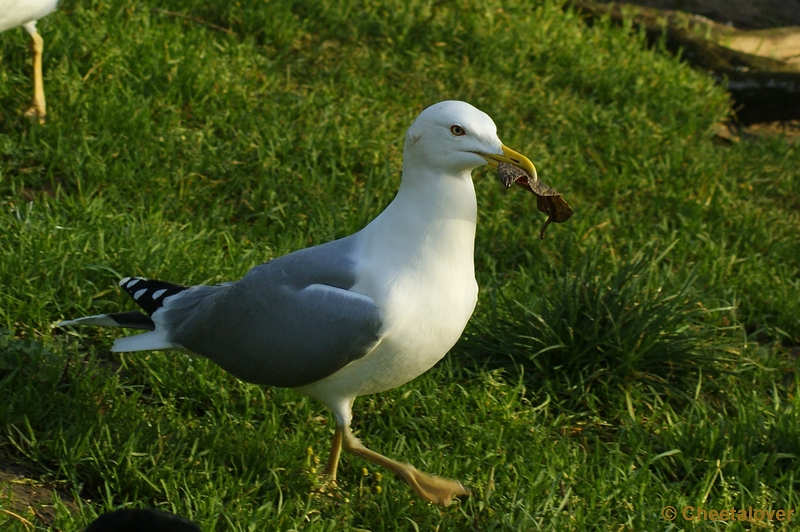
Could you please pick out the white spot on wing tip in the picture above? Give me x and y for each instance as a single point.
(158, 293)
(133, 282)
(125, 280)
(139, 293)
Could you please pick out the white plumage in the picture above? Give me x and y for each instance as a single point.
(15, 13)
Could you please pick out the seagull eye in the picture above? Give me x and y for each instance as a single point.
(457, 130)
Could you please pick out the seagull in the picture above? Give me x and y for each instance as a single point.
(15, 13)
(354, 316)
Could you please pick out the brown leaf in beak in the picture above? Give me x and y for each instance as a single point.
(548, 200)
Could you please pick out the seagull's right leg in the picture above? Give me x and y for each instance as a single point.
(38, 108)
(435, 489)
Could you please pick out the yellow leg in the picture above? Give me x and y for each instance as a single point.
(437, 490)
(333, 459)
(38, 108)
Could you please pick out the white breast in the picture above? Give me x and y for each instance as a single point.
(419, 271)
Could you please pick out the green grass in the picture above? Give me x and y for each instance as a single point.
(643, 355)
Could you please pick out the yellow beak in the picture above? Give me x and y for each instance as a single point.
(511, 157)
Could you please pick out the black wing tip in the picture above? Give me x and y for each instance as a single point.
(149, 293)
(133, 320)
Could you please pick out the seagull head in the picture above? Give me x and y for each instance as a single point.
(454, 138)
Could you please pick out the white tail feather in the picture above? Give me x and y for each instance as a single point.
(100, 320)
(149, 341)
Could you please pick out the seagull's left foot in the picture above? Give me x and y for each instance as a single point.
(327, 485)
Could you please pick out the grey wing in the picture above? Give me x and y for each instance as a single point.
(289, 322)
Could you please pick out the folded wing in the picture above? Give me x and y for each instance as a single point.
(289, 322)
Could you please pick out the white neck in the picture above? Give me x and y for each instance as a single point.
(432, 215)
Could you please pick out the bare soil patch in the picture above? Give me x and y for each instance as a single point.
(26, 498)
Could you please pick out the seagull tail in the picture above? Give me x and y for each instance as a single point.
(154, 340)
(151, 296)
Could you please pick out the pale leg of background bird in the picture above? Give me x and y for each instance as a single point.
(37, 47)
(431, 488)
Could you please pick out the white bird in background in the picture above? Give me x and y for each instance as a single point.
(355, 316)
(14, 13)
